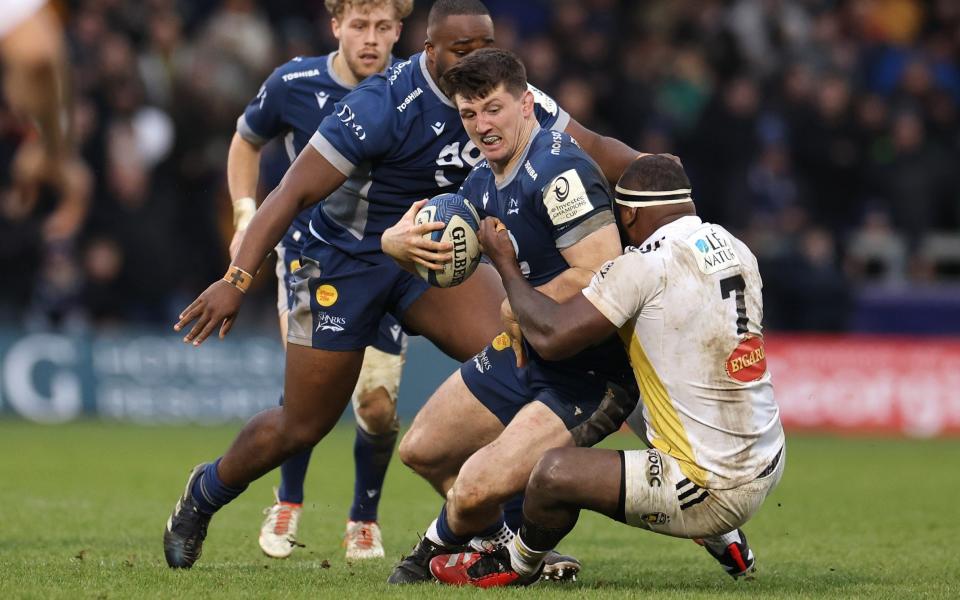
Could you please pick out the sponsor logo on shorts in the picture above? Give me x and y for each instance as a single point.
(327, 295)
(654, 468)
(294, 265)
(748, 361)
(501, 342)
(655, 518)
(328, 322)
(481, 361)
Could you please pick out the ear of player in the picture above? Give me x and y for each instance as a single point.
(461, 225)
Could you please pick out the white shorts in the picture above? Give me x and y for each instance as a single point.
(659, 497)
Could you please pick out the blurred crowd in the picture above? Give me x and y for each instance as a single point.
(824, 132)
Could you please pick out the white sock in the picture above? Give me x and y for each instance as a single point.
(432, 534)
(501, 538)
(719, 543)
(525, 561)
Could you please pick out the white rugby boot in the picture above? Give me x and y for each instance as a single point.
(278, 534)
(363, 540)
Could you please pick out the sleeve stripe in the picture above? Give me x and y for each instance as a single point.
(326, 149)
(243, 128)
(581, 230)
(563, 119)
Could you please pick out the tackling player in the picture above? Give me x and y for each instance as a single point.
(291, 103)
(685, 299)
(556, 203)
(401, 136)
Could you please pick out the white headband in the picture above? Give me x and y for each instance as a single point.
(681, 196)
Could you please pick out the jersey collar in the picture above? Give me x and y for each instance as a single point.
(433, 84)
(672, 229)
(333, 73)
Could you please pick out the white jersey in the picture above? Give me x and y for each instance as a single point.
(15, 12)
(689, 308)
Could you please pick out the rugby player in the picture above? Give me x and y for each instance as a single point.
(685, 299)
(402, 137)
(557, 205)
(291, 103)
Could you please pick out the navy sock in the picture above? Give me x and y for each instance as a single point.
(293, 472)
(209, 492)
(513, 513)
(371, 457)
(448, 537)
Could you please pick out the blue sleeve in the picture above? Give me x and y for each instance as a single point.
(548, 112)
(262, 120)
(470, 189)
(362, 127)
(576, 201)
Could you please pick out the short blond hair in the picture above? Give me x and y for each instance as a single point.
(402, 8)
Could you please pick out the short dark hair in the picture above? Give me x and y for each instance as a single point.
(442, 9)
(654, 173)
(481, 71)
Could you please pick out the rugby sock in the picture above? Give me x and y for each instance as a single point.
(439, 532)
(293, 472)
(495, 536)
(524, 560)
(209, 492)
(513, 512)
(371, 457)
(719, 543)
(538, 538)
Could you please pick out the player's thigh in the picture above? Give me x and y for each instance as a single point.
(317, 387)
(582, 477)
(460, 320)
(450, 427)
(502, 467)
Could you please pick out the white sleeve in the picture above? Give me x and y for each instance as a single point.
(622, 286)
(15, 12)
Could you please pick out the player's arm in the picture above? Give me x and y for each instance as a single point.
(612, 155)
(555, 330)
(243, 175)
(310, 178)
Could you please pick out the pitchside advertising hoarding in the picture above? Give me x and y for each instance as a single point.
(846, 384)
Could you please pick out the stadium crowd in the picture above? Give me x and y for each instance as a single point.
(824, 133)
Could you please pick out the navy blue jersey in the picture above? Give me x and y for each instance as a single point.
(290, 105)
(554, 197)
(401, 140)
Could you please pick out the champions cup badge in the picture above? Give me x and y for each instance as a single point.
(748, 361)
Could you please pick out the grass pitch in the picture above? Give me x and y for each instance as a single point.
(82, 509)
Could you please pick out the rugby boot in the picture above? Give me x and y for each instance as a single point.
(186, 528)
(487, 569)
(736, 558)
(415, 567)
(363, 540)
(560, 567)
(278, 534)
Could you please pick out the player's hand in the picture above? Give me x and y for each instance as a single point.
(496, 243)
(512, 327)
(235, 242)
(406, 244)
(216, 307)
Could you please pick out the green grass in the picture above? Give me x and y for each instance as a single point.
(82, 509)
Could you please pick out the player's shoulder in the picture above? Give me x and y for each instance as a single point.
(302, 68)
(554, 154)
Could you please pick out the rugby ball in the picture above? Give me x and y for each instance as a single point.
(461, 224)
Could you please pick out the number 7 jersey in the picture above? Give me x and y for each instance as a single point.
(689, 307)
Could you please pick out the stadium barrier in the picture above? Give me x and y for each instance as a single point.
(844, 384)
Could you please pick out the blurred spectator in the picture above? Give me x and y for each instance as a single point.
(826, 132)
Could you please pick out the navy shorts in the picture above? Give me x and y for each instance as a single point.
(493, 377)
(339, 302)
